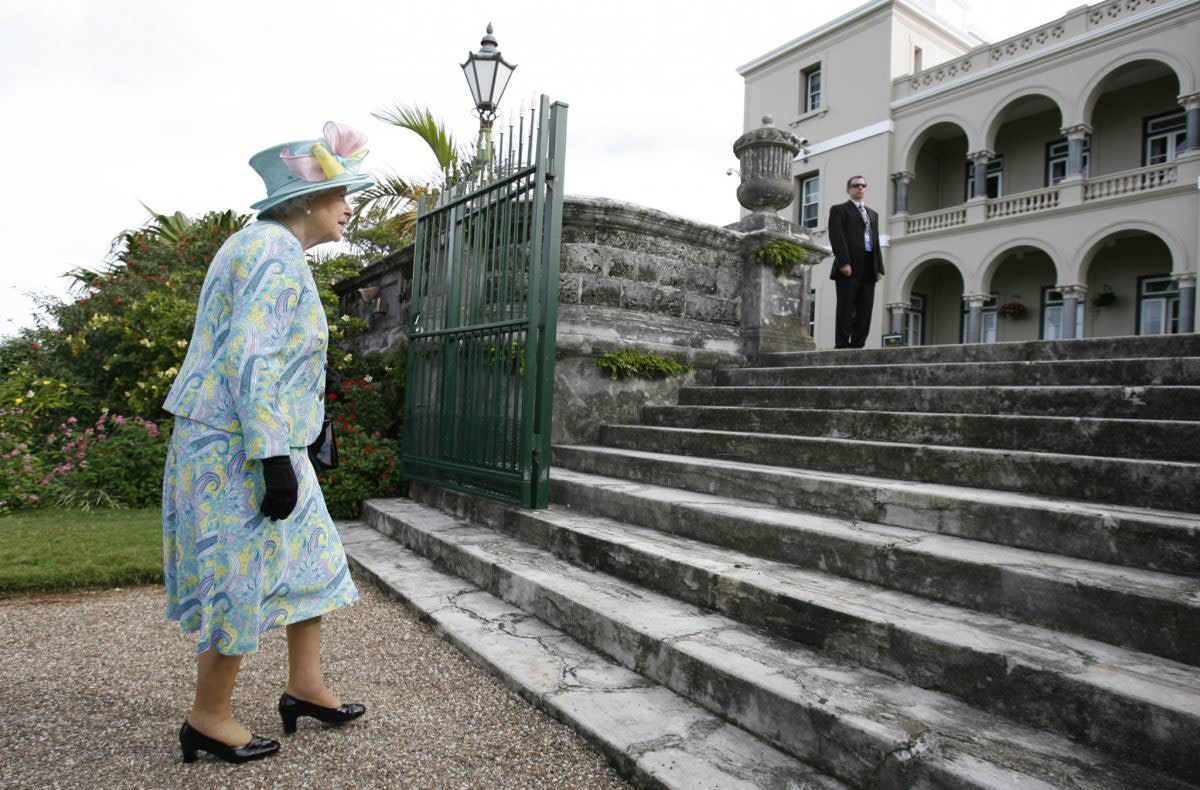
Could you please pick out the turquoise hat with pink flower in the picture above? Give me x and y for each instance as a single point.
(299, 168)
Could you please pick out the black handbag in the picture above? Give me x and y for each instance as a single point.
(324, 452)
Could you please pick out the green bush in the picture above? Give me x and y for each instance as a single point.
(366, 423)
(127, 332)
(623, 364)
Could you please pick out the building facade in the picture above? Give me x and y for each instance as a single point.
(1044, 186)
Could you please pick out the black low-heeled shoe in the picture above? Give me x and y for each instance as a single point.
(291, 709)
(191, 740)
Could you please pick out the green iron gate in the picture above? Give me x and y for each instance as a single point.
(480, 382)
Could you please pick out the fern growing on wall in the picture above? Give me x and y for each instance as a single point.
(780, 255)
(627, 363)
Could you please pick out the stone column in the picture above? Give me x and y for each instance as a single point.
(974, 304)
(980, 160)
(900, 182)
(1186, 282)
(775, 306)
(1072, 296)
(1191, 105)
(1076, 136)
(898, 310)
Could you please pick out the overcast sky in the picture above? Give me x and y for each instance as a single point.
(105, 103)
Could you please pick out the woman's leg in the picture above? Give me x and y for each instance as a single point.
(212, 710)
(305, 681)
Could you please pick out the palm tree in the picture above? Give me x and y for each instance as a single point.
(393, 194)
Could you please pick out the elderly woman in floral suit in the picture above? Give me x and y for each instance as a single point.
(248, 543)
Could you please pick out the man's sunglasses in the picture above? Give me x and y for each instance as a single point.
(858, 186)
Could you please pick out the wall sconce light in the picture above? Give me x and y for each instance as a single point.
(373, 297)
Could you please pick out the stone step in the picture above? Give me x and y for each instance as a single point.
(1121, 481)
(1023, 351)
(1167, 440)
(1140, 403)
(1105, 701)
(1142, 610)
(653, 736)
(861, 726)
(1174, 371)
(1135, 537)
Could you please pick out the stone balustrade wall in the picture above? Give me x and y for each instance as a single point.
(630, 278)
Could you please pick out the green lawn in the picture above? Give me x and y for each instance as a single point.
(53, 549)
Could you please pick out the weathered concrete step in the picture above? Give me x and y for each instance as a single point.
(1087, 689)
(1168, 440)
(1135, 537)
(1119, 481)
(1126, 372)
(652, 735)
(1023, 351)
(1141, 610)
(1140, 403)
(857, 724)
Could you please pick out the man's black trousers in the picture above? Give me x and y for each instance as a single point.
(855, 300)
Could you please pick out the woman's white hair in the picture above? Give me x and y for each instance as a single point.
(290, 207)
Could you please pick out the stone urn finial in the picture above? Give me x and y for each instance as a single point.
(766, 156)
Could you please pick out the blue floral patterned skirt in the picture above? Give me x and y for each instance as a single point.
(231, 572)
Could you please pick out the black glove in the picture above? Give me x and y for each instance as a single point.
(282, 488)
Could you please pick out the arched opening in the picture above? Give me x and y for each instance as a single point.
(935, 302)
(938, 169)
(1028, 142)
(1023, 276)
(1130, 291)
(1136, 118)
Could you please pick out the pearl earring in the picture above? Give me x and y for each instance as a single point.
(308, 212)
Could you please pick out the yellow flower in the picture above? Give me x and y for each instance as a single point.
(45, 381)
(18, 401)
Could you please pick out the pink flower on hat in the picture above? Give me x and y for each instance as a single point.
(342, 148)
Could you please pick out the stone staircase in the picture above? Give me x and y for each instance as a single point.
(970, 566)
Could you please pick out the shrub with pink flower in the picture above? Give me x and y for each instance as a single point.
(115, 462)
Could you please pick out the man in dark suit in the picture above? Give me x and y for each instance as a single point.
(857, 264)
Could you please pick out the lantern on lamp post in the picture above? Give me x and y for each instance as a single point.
(487, 76)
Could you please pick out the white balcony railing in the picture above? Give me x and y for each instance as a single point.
(1022, 203)
(936, 220)
(1130, 182)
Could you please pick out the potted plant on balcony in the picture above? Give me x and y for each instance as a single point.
(1105, 298)
(1012, 310)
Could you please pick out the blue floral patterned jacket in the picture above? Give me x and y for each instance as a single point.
(256, 362)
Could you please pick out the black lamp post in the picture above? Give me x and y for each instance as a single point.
(487, 76)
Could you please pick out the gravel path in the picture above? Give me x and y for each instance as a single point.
(94, 686)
